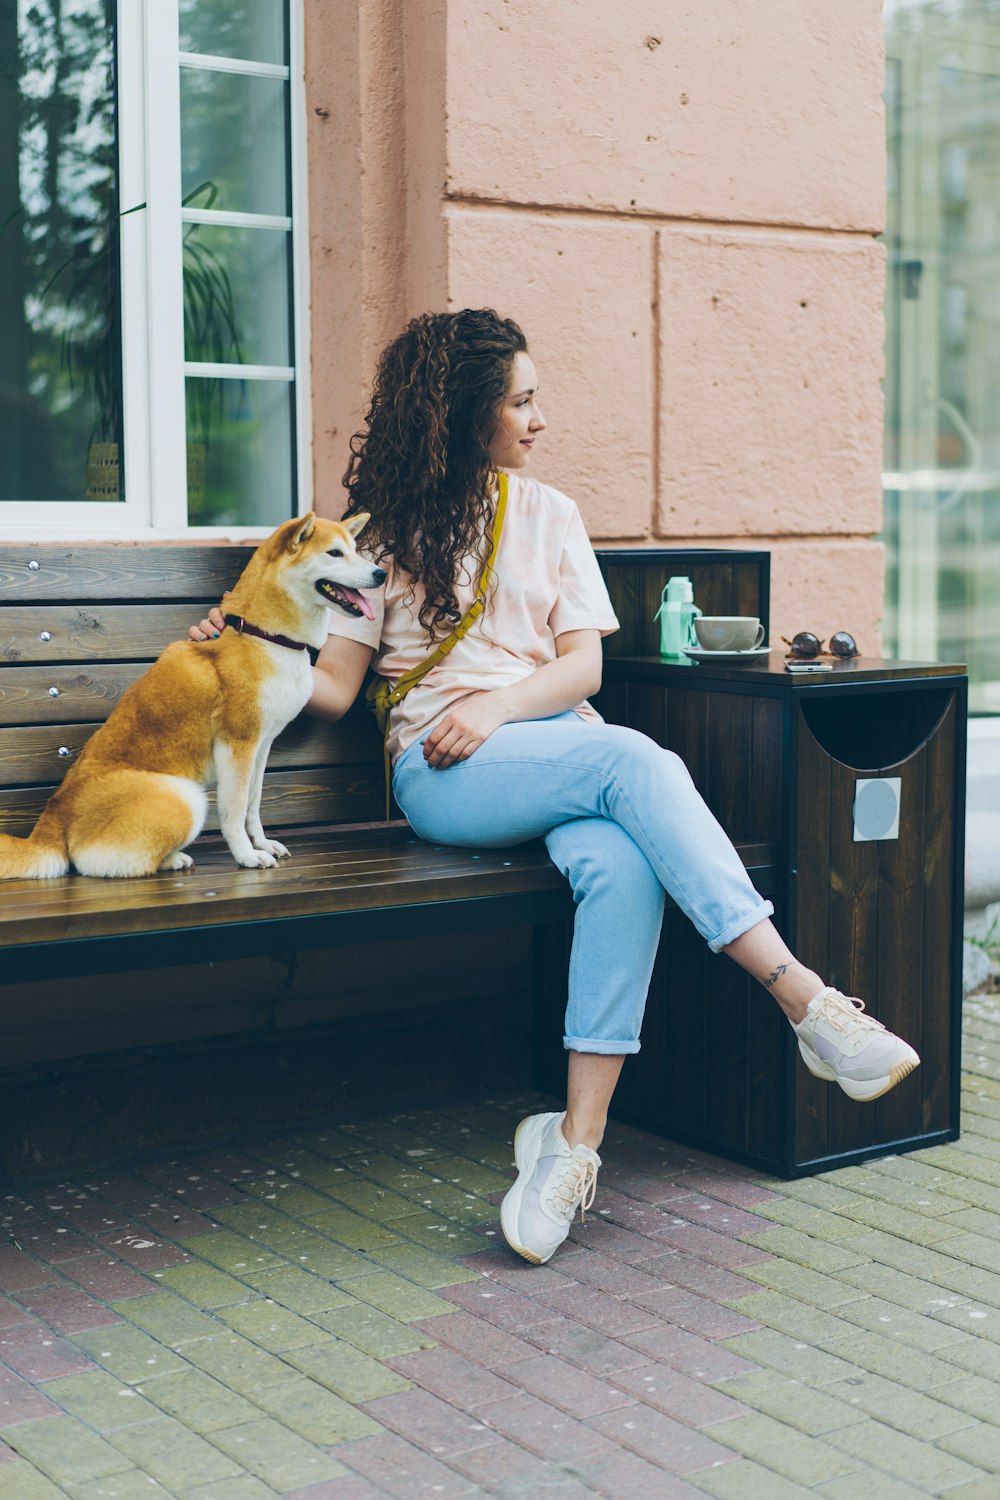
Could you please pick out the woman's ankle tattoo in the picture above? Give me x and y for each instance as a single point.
(776, 974)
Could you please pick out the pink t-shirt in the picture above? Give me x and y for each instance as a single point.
(547, 583)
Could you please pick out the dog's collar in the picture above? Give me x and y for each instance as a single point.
(241, 626)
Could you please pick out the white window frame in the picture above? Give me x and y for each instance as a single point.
(153, 364)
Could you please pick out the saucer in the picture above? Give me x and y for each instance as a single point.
(698, 653)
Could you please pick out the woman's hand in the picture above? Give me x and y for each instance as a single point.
(461, 732)
(214, 625)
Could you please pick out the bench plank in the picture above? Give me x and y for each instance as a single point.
(99, 632)
(140, 573)
(84, 693)
(30, 754)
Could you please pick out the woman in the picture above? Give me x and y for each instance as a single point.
(498, 743)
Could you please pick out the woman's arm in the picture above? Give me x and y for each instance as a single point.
(337, 677)
(559, 685)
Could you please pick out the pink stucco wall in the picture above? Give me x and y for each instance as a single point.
(679, 204)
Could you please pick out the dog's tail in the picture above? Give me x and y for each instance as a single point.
(43, 855)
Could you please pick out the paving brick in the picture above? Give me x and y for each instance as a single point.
(688, 1352)
(778, 1447)
(353, 1487)
(368, 1198)
(271, 1326)
(237, 1363)
(882, 1188)
(172, 1220)
(169, 1319)
(976, 1489)
(38, 1354)
(204, 1286)
(197, 1401)
(352, 1230)
(396, 1296)
(974, 1395)
(979, 1443)
(776, 1351)
(289, 1196)
(345, 1370)
(455, 1379)
(799, 1319)
(506, 1470)
(565, 1385)
(172, 1454)
(807, 1250)
(431, 1423)
(64, 1450)
(621, 1475)
(894, 1286)
(597, 1310)
(680, 1396)
(12, 1314)
(588, 1268)
(66, 1309)
(901, 1407)
(808, 1410)
(233, 1253)
(659, 1439)
(746, 1480)
(799, 1281)
(81, 1211)
(894, 1322)
(585, 1347)
(898, 1362)
(315, 1413)
(141, 1248)
(301, 1291)
(21, 1401)
(699, 1315)
(18, 1271)
(130, 1355)
(130, 1484)
(914, 1227)
(400, 1469)
(883, 1448)
(53, 1243)
(719, 1249)
(505, 1309)
(372, 1331)
(888, 1489)
(423, 1266)
(279, 1457)
(20, 1480)
(107, 1279)
(100, 1401)
(678, 1268)
(489, 1346)
(814, 1221)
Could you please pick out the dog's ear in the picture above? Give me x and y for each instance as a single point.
(302, 532)
(355, 524)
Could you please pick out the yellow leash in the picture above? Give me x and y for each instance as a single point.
(382, 696)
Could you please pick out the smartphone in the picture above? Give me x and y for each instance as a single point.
(808, 666)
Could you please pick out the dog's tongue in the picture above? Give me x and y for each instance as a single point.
(359, 600)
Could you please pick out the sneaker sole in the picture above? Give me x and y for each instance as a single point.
(512, 1202)
(862, 1091)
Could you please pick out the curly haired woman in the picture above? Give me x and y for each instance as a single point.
(497, 744)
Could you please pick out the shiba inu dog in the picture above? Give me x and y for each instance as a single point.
(204, 715)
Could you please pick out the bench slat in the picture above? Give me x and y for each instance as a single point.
(29, 755)
(99, 632)
(416, 873)
(144, 572)
(85, 693)
(335, 794)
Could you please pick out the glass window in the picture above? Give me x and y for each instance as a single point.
(60, 292)
(942, 458)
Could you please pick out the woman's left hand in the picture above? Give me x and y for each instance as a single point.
(461, 732)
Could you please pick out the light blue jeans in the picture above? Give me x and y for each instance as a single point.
(623, 821)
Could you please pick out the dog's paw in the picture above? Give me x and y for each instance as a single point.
(273, 847)
(178, 861)
(257, 859)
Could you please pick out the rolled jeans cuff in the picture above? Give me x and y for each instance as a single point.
(739, 925)
(599, 1045)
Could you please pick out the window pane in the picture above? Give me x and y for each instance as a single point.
(60, 350)
(240, 452)
(942, 455)
(250, 29)
(234, 150)
(237, 295)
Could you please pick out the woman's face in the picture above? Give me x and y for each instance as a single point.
(521, 418)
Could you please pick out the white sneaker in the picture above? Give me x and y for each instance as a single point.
(553, 1180)
(844, 1046)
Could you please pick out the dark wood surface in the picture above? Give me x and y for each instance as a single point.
(770, 671)
(725, 582)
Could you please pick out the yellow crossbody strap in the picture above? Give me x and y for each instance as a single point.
(382, 698)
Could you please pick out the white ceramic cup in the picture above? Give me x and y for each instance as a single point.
(728, 632)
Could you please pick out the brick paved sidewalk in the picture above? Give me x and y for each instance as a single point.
(331, 1315)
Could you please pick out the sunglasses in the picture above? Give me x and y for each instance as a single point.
(805, 645)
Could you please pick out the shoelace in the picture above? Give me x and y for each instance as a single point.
(844, 1014)
(577, 1184)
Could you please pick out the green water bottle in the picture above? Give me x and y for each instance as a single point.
(676, 615)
